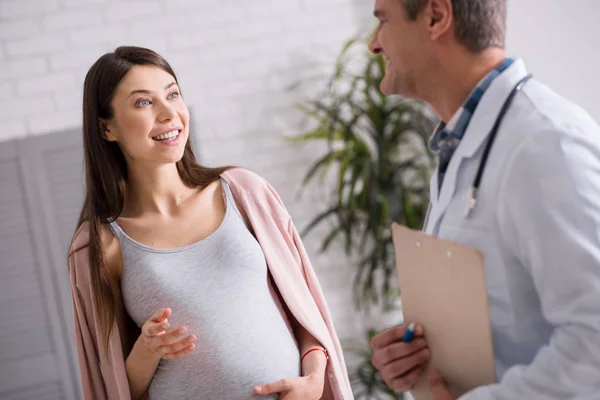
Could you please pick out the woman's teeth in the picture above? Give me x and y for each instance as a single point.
(168, 135)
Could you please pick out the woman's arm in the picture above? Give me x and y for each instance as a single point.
(141, 367)
(154, 344)
(315, 362)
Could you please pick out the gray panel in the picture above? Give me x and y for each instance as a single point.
(40, 197)
(49, 391)
(66, 189)
(60, 182)
(32, 378)
(24, 330)
(53, 160)
(8, 151)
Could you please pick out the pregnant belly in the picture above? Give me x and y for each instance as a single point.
(228, 365)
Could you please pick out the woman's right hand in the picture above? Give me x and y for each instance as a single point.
(162, 344)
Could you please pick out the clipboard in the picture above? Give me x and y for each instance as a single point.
(442, 286)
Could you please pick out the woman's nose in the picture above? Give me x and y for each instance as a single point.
(166, 113)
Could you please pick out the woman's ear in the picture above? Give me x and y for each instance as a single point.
(106, 132)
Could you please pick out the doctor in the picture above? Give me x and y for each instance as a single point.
(527, 194)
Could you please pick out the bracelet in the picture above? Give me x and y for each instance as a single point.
(315, 349)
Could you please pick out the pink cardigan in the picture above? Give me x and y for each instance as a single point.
(103, 370)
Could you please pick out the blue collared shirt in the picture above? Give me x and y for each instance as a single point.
(446, 137)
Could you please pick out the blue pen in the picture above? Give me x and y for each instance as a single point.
(409, 334)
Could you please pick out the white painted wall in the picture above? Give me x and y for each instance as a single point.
(559, 42)
(234, 59)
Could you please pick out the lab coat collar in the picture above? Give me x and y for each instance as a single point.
(489, 107)
(478, 130)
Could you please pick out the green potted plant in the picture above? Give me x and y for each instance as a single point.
(378, 146)
(377, 156)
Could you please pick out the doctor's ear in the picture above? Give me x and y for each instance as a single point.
(440, 15)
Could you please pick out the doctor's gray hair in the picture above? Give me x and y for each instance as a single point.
(480, 24)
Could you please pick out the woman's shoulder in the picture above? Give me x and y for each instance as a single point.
(243, 177)
(81, 239)
(252, 190)
(250, 182)
(79, 248)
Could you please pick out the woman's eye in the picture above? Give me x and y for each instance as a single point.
(142, 103)
(173, 95)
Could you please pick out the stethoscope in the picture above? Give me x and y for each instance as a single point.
(472, 200)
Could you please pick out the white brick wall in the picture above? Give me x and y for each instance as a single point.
(234, 58)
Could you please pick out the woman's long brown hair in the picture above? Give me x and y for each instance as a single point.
(106, 170)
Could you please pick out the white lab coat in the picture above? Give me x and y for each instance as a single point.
(537, 221)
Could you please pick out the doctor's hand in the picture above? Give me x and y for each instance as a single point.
(438, 387)
(400, 364)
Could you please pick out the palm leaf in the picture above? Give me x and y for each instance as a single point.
(322, 216)
(330, 238)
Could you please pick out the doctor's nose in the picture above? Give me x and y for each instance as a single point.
(374, 46)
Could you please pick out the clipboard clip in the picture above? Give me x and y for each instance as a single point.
(419, 245)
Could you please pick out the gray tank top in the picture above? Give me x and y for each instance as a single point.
(218, 288)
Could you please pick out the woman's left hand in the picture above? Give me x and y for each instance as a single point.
(308, 387)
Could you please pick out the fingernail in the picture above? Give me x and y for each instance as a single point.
(192, 338)
(182, 330)
(258, 388)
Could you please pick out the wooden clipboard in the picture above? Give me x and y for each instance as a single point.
(442, 286)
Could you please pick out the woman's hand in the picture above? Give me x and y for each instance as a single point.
(308, 387)
(162, 344)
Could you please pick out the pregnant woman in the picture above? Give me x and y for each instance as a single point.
(188, 282)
